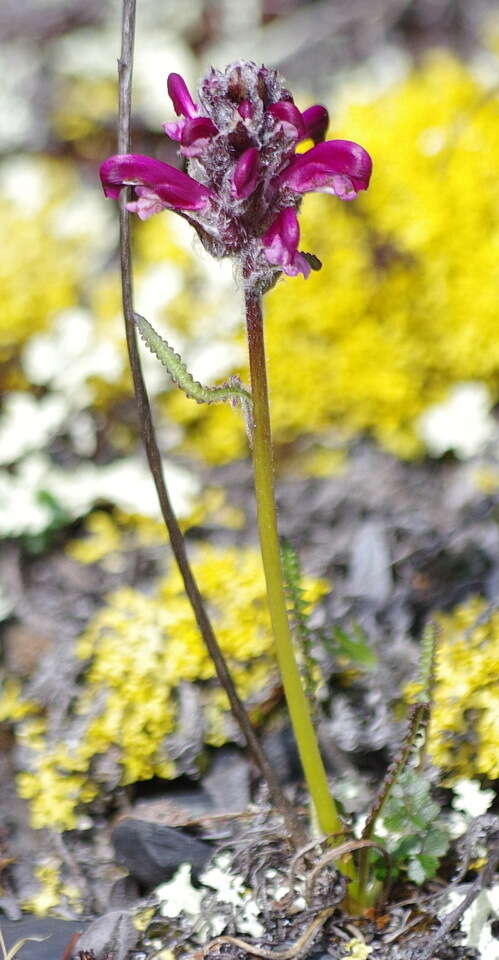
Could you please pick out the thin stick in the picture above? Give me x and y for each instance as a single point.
(125, 68)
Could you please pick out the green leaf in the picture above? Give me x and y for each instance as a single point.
(354, 646)
(428, 864)
(436, 843)
(232, 392)
(416, 872)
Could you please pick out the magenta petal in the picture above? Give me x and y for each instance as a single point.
(196, 134)
(172, 186)
(174, 130)
(315, 122)
(245, 176)
(183, 103)
(284, 232)
(287, 113)
(281, 244)
(146, 204)
(318, 168)
(246, 109)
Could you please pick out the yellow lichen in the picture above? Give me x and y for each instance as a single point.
(357, 950)
(51, 892)
(140, 648)
(464, 730)
(12, 704)
(83, 105)
(103, 538)
(109, 534)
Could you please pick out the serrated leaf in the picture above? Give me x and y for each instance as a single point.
(436, 843)
(428, 864)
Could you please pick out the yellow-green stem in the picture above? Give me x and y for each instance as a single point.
(313, 767)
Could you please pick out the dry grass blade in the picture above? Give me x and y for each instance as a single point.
(302, 852)
(332, 856)
(289, 954)
(17, 946)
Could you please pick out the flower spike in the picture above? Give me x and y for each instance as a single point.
(244, 179)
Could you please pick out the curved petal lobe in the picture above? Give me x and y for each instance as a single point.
(146, 204)
(195, 136)
(183, 104)
(341, 167)
(290, 117)
(315, 122)
(246, 109)
(281, 244)
(171, 186)
(245, 177)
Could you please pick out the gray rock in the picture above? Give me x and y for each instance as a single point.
(58, 933)
(114, 934)
(282, 753)
(227, 781)
(152, 852)
(370, 573)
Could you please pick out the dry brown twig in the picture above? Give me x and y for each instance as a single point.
(333, 856)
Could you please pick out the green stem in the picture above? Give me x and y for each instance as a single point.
(315, 775)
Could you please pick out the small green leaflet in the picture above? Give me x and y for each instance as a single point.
(353, 645)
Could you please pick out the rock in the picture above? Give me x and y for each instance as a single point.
(23, 649)
(227, 782)
(370, 574)
(152, 852)
(124, 893)
(282, 753)
(114, 934)
(58, 933)
(10, 907)
(174, 806)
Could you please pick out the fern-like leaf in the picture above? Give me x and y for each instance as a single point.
(416, 728)
(299, 616)
(231, 392)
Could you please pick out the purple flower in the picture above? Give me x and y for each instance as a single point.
(290, 118)
(245, 181)
(340, 167)
(183, 104)
(153, 180)
(245, 176)
(316, 122)
(281, 244)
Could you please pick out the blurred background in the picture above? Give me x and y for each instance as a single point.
(399, 330)
(384, 370)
